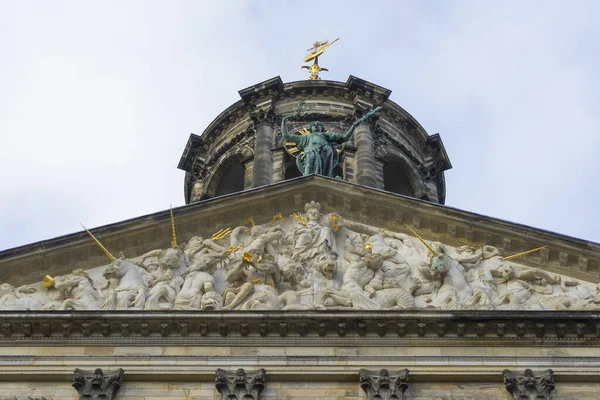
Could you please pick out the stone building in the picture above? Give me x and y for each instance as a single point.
(270, 284)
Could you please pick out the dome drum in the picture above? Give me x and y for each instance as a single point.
(244, 147)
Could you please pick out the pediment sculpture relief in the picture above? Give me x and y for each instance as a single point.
(308, 261)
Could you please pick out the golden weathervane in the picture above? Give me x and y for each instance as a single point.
(313, 54)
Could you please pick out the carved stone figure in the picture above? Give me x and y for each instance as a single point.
(308, 284)
(311, 236)
(355, 291)
(78, 291)
(197, 248)
(522, 284)
(26, 298)
(167, 279)
(198, 282)
(252, 274)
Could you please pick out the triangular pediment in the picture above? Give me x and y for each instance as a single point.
(343, 225)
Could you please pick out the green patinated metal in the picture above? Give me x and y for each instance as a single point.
(320, 147)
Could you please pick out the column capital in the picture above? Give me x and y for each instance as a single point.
(240, 384)
(382, 385)
(263, 116)
(96, 385)
(527, 385)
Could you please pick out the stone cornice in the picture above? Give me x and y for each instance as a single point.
(378, 93)
(271, 87)
(302, 328)
(189, 153)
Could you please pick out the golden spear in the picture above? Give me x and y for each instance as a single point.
(524, 253)
(421, 239)
(112, 258)
(174, 240)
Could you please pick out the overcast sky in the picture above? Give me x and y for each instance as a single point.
(98, 99)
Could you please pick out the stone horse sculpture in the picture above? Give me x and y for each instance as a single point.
(128, 287)
(127, 282)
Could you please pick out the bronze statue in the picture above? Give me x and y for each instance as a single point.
(320, 147)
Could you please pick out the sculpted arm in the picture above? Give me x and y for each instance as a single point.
(348, 135)
(153, 253)
(394, 235)
(286, 133)
(272, 235)
(357, 227)
(217, 250)
(236, 274)
(375, 284)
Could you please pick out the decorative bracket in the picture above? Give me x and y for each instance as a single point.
(97, 385)
(528, 386)
(382, 385)
(240, 385)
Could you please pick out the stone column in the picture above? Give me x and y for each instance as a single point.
(366, 170)
(240, 385)
(529, 386)
(96, 385)
(265, 139)
(382, 385)
(278, 166)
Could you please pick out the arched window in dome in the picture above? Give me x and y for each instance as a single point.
(232, 180)
(395, 180)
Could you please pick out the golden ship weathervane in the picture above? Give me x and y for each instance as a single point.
(313, 54)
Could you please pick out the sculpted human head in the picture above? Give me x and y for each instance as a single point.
(206, 264)
(313, 211)
(373, 261)
(504, 272)
(317, 126)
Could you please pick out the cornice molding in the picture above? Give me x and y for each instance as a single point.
(353, 328)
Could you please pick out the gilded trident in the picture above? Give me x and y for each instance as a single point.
(221, 234)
